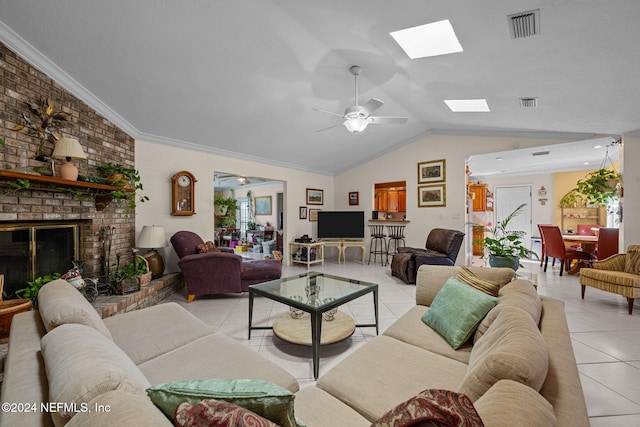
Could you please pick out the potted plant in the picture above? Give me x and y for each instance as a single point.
(30, 292)
(504, 246)
(126, 277)
(129, 182)
(599, 186)
(225, 207)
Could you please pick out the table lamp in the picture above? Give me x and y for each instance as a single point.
(151, 237)
(68, 148)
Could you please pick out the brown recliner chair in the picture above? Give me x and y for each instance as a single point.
(442, 248)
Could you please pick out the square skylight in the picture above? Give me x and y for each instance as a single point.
(437, 38)
(468, 105)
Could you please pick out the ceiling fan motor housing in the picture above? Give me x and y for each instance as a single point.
(354, 112)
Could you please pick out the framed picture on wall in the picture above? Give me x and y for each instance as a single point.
(263, 205)
(315, 197)
(432, 171)
(354, 197)
(303, 212)
(432, 196)
(313, 214)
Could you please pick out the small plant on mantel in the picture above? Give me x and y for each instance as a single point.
(129, 182)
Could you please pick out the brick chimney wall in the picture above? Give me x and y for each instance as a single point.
(101, 140)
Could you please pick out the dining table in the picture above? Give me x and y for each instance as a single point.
(587, 244)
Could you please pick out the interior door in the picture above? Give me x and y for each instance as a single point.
(507, 199)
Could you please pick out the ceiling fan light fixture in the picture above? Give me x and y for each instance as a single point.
(356, 125)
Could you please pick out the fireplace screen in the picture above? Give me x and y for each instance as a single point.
(30, 251)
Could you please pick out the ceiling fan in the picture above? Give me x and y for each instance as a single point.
(358, 117)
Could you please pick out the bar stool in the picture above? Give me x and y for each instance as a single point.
(395, 233)
(378, 245)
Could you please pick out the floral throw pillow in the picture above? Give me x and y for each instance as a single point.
(207, 247)
(211, 412)
(433, 408)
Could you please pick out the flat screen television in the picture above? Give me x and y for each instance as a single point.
(340, 224)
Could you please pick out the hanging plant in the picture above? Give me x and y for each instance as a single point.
(599, 186)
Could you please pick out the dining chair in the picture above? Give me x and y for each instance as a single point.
(542, 250)
(607, 242)
(555, 248)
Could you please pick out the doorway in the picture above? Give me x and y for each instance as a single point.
(507, 199)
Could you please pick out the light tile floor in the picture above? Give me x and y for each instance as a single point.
(606, 340)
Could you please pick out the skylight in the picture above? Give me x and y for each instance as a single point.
(437, 38)
(468, 105)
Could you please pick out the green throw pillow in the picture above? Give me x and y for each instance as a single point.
(264, 398)
(457, 310)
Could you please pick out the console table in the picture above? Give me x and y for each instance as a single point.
(343, 244)
(306, 253)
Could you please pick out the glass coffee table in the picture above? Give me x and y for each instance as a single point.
(319, 295)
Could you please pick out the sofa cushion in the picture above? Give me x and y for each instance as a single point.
(410, 329)
(386, 372)
(470, 278)
(264, 398)
(211, 412)
(510, 403)
(119, 408)
(81, 364)
(512, 348)
(519, 293)
(457, 310)
(326, 410)
(215, 356)
(60, 303)
(444, 408)
(158, 330)
(430, 279)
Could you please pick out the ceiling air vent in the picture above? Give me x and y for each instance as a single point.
(541, 153)
(529, 102)
(524, 24)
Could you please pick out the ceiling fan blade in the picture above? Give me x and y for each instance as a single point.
(330, 127)
(372, 105)
(328, 112)
(384, 120)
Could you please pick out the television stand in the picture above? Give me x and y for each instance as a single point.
(343, 244)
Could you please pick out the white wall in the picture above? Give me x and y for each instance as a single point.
(541, 214)
(157, 163)
(630, 227)
(402, 165)
(261, 191)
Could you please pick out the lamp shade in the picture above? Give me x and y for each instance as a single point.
(68, 148)
(356, 124)
(152, 236)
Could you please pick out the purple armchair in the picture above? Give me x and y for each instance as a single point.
(218, 272)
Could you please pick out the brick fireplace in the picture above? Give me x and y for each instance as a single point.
(101, 140)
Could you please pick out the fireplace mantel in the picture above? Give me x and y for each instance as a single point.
(102, 189)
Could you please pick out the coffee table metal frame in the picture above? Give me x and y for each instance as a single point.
(271, 290)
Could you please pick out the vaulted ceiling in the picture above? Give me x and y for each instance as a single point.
(242, 78)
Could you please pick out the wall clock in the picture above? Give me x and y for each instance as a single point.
(182, 194)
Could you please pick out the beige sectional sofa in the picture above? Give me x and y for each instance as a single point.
(519, 371)
(64, 352)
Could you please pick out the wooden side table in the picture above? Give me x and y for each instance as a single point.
(306, 253)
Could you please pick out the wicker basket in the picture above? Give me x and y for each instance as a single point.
(145, 279)
(127, 286)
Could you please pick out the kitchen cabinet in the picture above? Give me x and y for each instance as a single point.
(479, 192)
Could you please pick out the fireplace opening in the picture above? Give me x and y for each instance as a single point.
(28, 251)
